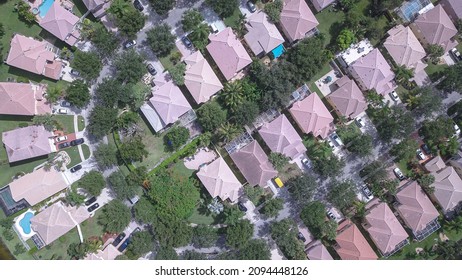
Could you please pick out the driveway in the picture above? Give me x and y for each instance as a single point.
(211, 17)
(245, 10)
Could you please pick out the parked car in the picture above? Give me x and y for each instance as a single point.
(456, 54)
(367, 193)
(90, 201)
(251, 6)
(186, 42)
(337, 139)
(64, 145)
(457, 130)
(77, 142)
(118, 239)
(65, 103)
(330, 215)
(399, 174)
(60, 139)
(62, 111)
(278, 182)
(151, 69)
(93, 207)
(137, 229)
(301, 237)
(330, 143)
(426, 149)
(75, 72)
(129, 44)
(306, 162)
(75, 168)
(420, 155)
(214, 28)
(360, 122)
(138, 6)
(241, 207)
(124, 245)
(394, 96)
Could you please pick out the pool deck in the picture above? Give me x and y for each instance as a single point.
(18, 227)
(203, 156)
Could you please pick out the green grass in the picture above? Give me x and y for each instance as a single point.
(323, 71)
(349, 132)
(79, 8)
(73, 153)
(12, 243)
(330, 23)
(166, 61)
(67, 123)
(181, 169)
(58, 249)
(432, 69)
(233, 20)
(91, 227)
(201, 219)
(402, 164)
(86, 151)
(154, 145)
(80, 123)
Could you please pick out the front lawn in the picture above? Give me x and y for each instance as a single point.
(91, 227)
(86, 151)
(167, 60)
(73, 153)
(67, 123)
(233, 20)
(80, 123)
(433, 70)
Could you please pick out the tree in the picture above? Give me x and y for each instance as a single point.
(448, 250)
(120, 186)
(92, 182)
(141, 242)
(313, 216)
(108, 92)
(105, 41)
(329, 167)
(77, 250)
(88, 64)
(127, 18)
(144, 211)
(329, 230)
(200, 36)
(101, 121)
(403, 74)
(302, 188)
(361, 145)
(24, 13)
(405, 150)
(342, 194)
(451, 79)
(273, 10)
(224, 8)
(204, 236)
(129, 67)
(191, 19)
(166, 253)
(272, 207)
(437, 131)
(373, 172)
(135, 96)
(115, 216)
(211, 116)
(105, 155)
(278, 160)
(74, 198)
(239, 234)
(161, 40)
(226, 132)
(132, 150)
(284, 232)
(255, 249)
(46, 120)
(426, 102)
(177, 73)
(126, 120)
(232, 215)
(121, 258)
(162, 7)
(171, 231)
(78, 94)
(176, 137)
(246, 113)
(139, 177)
(345, 39)
(435, 52)
(393, 123)
(193, 255)
(233, 95)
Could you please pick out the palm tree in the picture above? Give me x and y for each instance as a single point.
(200, 36)
(233, 95)
(228, 131)
(455, 225)
(403, 74)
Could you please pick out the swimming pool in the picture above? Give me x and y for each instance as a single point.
(44, 7)
(25, 222)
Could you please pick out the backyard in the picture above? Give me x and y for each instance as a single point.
(10, 244)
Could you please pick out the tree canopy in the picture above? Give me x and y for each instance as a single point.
(88, 64)
(239, 234)
(273, 10)
(105, 41)
(78, 94)
(161, 40)
(211, 116)
(255, 249)
(284, 232)
(120, 185)
(223, 8)
(108, 91)
(101, 121)
(92, 182)
(176, 137)
(406, 149)
(162, 7)
(127, 18)
(115, 216)
(191, 19)
(272, 207)
(129, 66)
(132, 149)
(204, 236)
(451, 81)
(342, 194)
(141, 242)
(302, 188)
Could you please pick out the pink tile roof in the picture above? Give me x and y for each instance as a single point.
(27, 142)
(297, 19)
(351, 243)
(263, 36)
(109, 253)
(404, 47)
(37, 186)
(436, 27)
(254, 164)
(23, 99)
(34, 56)
(318, 252)
(281, 137)
(312, 116)
(57, 220)
(448, 188)
(435, 164)
(383, 227)
(200, 79)
(61, 23)
(97, 7)
(319, 5)
(415, 207)
(453, 8)
(169, 102)
(348, 98)
(372, 71)
(228, 52)
(219, 180)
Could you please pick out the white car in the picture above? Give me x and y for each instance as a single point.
(330, 144)
(306, 162)
(367, 193)
(62, 111)
(337, 139)
(457, 130)
(399, 174)
(60, 139)
(420, 155)
(456, 54)
(394, 96)
(360, 122)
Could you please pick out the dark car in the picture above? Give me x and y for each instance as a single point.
(77, 142)
(75, 73)
(301, 237)
(118, 239)
(76, 168)
(64, 145)
(138, 5)
(186, 42)
(426, 149)
(151, 69)
(124, 245)
(241, 207)
(90, 201)
(251, 6)
(93, 207)
(65, 103)
(130, 43)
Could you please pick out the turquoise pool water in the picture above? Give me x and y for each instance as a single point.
(25, 222)
(44, 7)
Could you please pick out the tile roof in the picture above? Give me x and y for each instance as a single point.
(263, 36)
(435, 164)
(200, 79)
(219, 180)
(453, 8)
(228, 52)
(415, 207)
(281, 137)
(317, 252)
(348, 98)
(319, 5)
(372, 71)
(61, 23)
(383, 227)
(448, 188)
(404, 47)
(27, 142)
(23, 99)
(109, 253)
(34, 56)
(297, 19)
(312, 116)
(254, 164)
(169, 102)
(97, 7)
(351, 244)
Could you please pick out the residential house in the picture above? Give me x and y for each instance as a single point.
(297, 20)
(351, 244)
(312, 116)
(97, 7)
(456, 162)
(61, 23)
(405, 49)
(320, 5)
(27, 142)
(228, 53)
(317, 252)
(34, 56)
(219, 180)
(373, 72)
(435, 164)
(109, 253)
(354, 52)
(254, 164)
(384, 228)
(281, 137)
(448, 190)
(417, 211)
(435, 28)
(24, 99)
(263, 35)
(347, 99)
(453, 8)
(200, 79)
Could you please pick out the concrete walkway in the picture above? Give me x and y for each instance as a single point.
(76, 129)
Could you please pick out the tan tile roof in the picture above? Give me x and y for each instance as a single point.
(169, 103)
(351, 243)
(435, 164)
(348, 98)
(27, 142)
(297, 19)
(61, 23)
(263, 36)
(23, 99)
(109, 253)
(448, 188)
(317, 252)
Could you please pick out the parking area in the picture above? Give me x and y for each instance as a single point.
(387, 99)
(185, 51)
(245, 9)
(69, 137)
(87, 166)
(212, 18)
